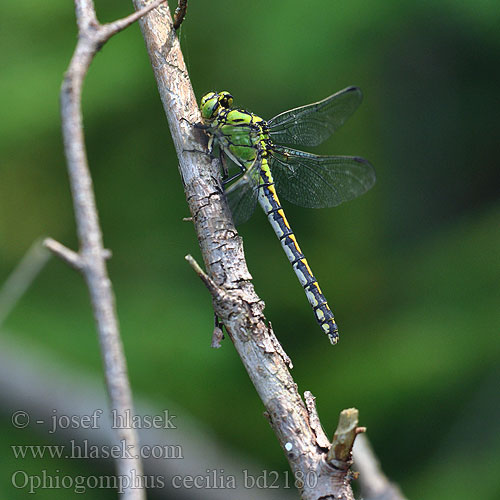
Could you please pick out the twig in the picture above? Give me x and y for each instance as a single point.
(374, 483)
(343, 439)
(321, 438)
(21, 278)
(217, 334)
(281, 351)
(215, 290)
(71, 258)
(90, 259)
(180, 13)
(238, 307)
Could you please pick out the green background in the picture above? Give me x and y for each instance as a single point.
(411, 269)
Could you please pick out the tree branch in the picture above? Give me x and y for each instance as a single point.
(344, 437)
(373, 482)
(90, 259)
(239, 307)
(214, 290)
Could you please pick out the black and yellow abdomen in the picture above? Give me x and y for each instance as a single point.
(270, 203)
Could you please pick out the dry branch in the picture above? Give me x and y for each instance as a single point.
(235, 300)
(373, 482)
(343, 439)
(90, 259)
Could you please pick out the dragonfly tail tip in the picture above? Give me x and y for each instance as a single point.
(333, 338)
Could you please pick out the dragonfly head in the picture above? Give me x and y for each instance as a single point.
(213, 102)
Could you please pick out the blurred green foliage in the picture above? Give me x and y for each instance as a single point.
(411, 269)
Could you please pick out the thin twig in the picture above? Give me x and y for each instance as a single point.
(64, 253)
(215, 290)
(343, 439)
(374, 483)
(238, 307)
(280, 350)
(90, 259)
(115, 27)
(321, 438)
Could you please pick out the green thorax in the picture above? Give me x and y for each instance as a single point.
(241, 132)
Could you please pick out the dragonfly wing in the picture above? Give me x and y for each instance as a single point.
(316, 181)
(242, 196)
(310, 125)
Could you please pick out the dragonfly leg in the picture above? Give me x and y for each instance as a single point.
(194, 151)
(232, 178)
(217, 322)
(225, 171)
(198, 125)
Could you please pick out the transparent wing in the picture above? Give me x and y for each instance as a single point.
(310, 125)
(316, 181)
(242, 196)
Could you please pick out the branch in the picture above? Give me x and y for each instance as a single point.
(90, 260)
(314, 421)
(216, 291)
(238, 307)
(71, 258)
(343, 439)
(373, 482)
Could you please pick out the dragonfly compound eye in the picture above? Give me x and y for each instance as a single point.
(209, 104)
(225, 99)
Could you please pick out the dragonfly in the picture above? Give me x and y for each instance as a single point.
(267, 169)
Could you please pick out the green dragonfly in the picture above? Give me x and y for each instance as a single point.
(304, 179)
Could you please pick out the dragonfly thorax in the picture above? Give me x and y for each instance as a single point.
(240, 134)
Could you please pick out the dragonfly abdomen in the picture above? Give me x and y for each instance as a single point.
(269, 201)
